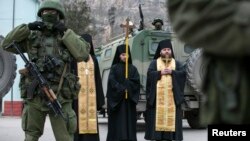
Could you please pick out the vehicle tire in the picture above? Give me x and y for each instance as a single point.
(195, 70)
(193, 119)
(7, 71)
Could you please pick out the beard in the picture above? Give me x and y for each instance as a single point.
(166, 57)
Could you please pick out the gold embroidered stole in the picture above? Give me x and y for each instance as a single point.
(87, 98)
(165, 106)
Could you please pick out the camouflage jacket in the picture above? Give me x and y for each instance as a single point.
(221, 27)
(50, 52)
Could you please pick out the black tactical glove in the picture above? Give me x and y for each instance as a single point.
(37, 25)
(60, 27)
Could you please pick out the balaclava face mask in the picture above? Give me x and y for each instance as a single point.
(50, 19)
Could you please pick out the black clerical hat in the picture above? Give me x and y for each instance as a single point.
(121, 49)
(163, 44)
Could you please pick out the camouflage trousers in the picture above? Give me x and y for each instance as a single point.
(33, 120)
(226, 91)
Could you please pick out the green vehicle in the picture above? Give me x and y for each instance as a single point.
(143, 45)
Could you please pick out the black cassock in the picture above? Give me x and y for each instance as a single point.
(178, 80)
(99, 104)
(121, 111)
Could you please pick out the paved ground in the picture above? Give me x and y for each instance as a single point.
(10, 130)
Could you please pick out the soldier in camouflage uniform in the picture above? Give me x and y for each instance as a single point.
(52, 47)
(158, 23)
(222, 29)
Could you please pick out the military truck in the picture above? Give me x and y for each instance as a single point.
(7, 72)
(143, 45)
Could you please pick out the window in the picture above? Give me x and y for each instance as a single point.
(108, 53)
(152, 47)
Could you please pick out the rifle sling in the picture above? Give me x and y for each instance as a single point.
(61, 79)
(31, 88)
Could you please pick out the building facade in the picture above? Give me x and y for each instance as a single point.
(12, 14)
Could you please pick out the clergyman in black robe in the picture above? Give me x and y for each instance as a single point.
(122, 108)
(99, 96)
(158, 125)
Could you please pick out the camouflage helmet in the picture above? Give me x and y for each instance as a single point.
(52, 4)
(157, 20)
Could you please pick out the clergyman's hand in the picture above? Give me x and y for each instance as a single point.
(126, 83)
(166, 71)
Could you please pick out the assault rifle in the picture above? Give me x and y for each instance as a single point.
(53, 103)
(141, 27)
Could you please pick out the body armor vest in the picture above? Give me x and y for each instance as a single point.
(50, 55)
